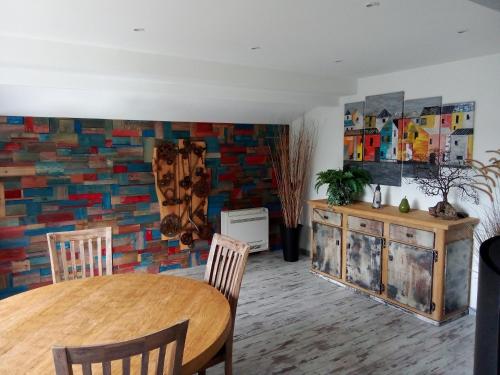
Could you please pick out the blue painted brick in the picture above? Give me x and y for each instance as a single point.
(15, 120)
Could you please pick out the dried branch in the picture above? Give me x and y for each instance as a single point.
(291, 156)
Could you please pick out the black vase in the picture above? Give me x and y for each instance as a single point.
(487, 347)
(290, 238)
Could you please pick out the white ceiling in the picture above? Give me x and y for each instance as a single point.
(296, 35)
(199, 51)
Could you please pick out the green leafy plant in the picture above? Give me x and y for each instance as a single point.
(343, 185)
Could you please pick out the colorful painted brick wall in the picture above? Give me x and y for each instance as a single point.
(66, 174)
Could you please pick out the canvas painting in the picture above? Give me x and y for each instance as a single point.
(353, 131)
(419, 141)
(457, 131)
(381, 137)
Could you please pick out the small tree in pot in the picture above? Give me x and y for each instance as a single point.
(291, 158)
(443, 177)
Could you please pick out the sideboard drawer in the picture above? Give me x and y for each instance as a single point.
(328, 217)
(366, 225)
(411, 236)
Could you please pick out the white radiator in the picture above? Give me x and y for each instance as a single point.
(250, 226)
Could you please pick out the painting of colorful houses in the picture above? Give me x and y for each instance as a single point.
(390, 137)
(457, 131)
(381, 134)
(353, 131)
(420, 139)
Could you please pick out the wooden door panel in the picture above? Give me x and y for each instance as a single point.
(409, 276)
(364, 260)
(327, 249)
(457, 270)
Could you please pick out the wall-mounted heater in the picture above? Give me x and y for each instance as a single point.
(250, 226)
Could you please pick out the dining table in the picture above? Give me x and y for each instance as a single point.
(106, 309)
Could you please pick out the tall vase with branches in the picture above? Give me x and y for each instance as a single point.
(487, 180)
(291, 156)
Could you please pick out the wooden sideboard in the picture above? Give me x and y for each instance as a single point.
(413, 261)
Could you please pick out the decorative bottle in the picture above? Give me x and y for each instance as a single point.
(377, 197)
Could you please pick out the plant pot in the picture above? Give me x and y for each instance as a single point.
(290, 240)
(487, 347)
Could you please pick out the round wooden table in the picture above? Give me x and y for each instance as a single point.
(109, 309)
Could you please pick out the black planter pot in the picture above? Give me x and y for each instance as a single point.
(290, 239)
(487, 347)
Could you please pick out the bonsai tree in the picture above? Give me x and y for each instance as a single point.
(343, 185)
(443, 177)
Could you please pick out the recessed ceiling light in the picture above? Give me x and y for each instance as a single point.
(139, 29)
(255, 48)
(372, 4)
(462, 31)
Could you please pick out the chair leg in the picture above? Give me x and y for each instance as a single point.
(202, 372)
(228, 360)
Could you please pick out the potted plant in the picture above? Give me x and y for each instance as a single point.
(343, 185)
(291, 158)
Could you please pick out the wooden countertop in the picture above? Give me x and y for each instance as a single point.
(392, 214)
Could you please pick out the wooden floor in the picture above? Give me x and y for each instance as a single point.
(290, 321)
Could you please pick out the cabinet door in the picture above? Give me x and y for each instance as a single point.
(409, 275)
(363, 260)
(327, 242)
(457, 275)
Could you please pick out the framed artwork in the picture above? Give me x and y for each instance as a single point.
(381, 137)
(394, 138)
(457, 131)
(353, 131)
(419, 142)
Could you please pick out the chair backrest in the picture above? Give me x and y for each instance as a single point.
(172, 338)
(225, 267)
(79, 250)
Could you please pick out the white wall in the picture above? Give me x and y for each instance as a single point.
(475, 79)
(47, 78)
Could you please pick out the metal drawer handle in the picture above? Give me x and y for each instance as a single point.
(362, 225)
(338, 242)
(409, 235)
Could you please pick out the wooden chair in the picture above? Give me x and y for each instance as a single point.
(172, 338)
(225, 267)
(77, 266)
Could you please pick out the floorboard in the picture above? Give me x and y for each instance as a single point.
(290, 321)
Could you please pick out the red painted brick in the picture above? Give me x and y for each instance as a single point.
(135, 199)
(93, 198)
(13, 194)
(123, 249)
(233, 149)
(126, 133)
(226, 159)
(55, 217)
(255, 159)
(129, 228)
(120, 169)
(11, 232)
(28, 124)
(12, 146)
(12, 254)
(90, 177)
